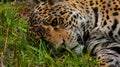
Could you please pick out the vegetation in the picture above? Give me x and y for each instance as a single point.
(18, 49)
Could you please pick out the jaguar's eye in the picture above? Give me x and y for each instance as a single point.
(54, 22)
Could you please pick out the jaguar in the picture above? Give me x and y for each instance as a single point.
(80, 25)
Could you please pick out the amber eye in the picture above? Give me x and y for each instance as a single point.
(54, 22)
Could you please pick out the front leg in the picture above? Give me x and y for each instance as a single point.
(105, 49)
(108, 58)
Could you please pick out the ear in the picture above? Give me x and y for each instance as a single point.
(52, 2)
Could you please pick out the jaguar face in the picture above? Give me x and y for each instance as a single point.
(56, 24)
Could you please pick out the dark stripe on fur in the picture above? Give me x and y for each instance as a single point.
(96, 16)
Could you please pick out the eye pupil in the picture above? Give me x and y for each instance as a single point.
(54, 22)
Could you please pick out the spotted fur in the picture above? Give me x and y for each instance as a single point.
(80, 24)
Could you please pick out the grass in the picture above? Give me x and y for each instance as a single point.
(17, 48)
